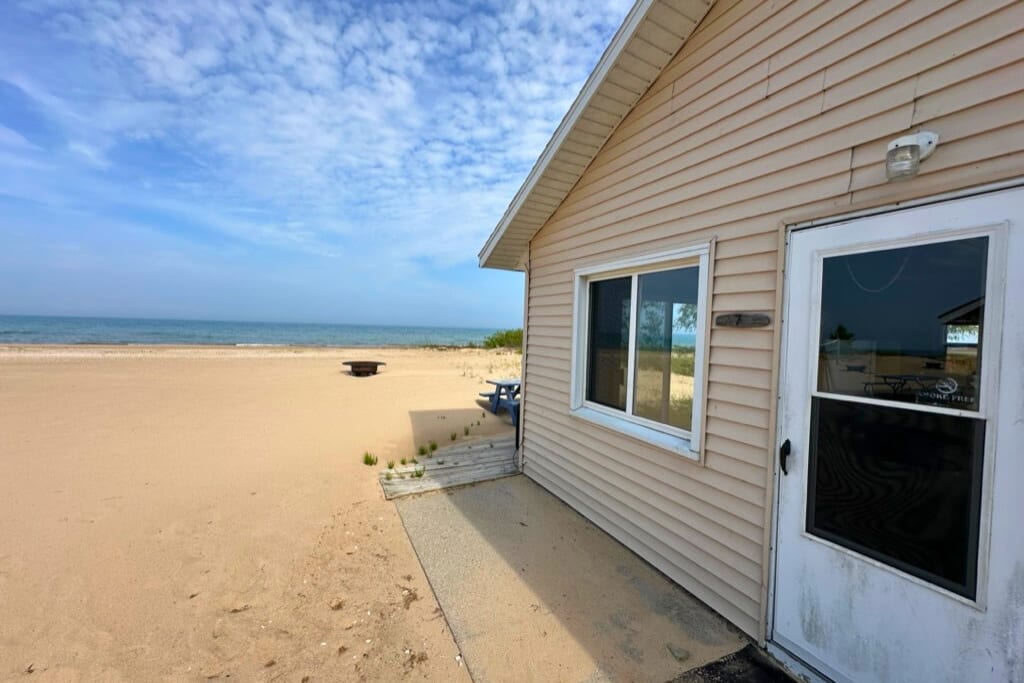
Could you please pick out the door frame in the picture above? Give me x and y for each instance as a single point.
(1000, 271)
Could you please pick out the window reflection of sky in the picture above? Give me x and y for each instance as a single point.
(896, 297)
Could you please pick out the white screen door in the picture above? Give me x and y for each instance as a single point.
(900, 526)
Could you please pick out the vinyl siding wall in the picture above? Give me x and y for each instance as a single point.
(773, 112)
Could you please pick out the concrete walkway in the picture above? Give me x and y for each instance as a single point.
(534, 592)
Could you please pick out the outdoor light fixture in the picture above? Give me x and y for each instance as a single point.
(904, 155)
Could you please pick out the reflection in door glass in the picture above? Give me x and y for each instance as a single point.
(905, 324)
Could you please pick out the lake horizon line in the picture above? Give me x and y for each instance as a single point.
(80, 330)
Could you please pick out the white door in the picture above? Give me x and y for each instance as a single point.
(900, 526)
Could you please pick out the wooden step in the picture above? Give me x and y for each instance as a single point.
(441, 480)
(474, 446)
(441, 463)
(447, 468)
(453, 466)
(478, 448)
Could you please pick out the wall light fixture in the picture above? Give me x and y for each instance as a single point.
(904, 155)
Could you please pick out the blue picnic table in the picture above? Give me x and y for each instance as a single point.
(505, 395)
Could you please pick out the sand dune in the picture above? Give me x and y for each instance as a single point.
(200, 513)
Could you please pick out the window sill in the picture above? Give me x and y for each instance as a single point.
(669, 442)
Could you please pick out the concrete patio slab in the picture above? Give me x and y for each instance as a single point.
(535, 592)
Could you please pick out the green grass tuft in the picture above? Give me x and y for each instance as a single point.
(454, 436)
(423, 450)
(433, 446)
(391, 464)
(403, 461)
(369, 458)
(465, 431)
(506, 339)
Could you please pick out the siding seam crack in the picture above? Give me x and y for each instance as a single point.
(849, 183)
(824, 79)
(913, 109)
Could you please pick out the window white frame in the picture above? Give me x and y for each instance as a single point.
(681, 441)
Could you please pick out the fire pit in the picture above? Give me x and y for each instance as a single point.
(363, 368)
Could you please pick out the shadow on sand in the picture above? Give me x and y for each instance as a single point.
(439, 425)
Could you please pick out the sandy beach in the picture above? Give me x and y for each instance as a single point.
(204, 513)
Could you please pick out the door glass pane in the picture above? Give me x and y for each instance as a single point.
(608, 345)
(666, 344)
(905, 324)
(898, 485)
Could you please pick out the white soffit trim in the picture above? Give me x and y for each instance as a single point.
(651, 35)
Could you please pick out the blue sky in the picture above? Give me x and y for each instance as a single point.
(291, 161)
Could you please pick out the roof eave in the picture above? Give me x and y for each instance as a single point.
(488, 256)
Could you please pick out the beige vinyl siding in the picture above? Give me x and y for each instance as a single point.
(771, 113)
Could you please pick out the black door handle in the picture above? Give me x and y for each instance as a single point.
(784, 451)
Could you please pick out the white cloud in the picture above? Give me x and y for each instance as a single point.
(90, 154)
(14, 140)
(403, 126)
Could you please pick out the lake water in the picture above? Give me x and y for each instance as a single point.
(59, 330)
(684, 339)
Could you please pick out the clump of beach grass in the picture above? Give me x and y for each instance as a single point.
(404, 461)
(423, 450)
(418, 474)
(388, 476)
(454, 436)
(414, 461)
(391, 464)
(433, 446)
(465, 431)
(369, 458)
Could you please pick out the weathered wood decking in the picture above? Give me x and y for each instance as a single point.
(465, 463)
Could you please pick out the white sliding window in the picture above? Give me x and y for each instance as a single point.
(638, 347)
